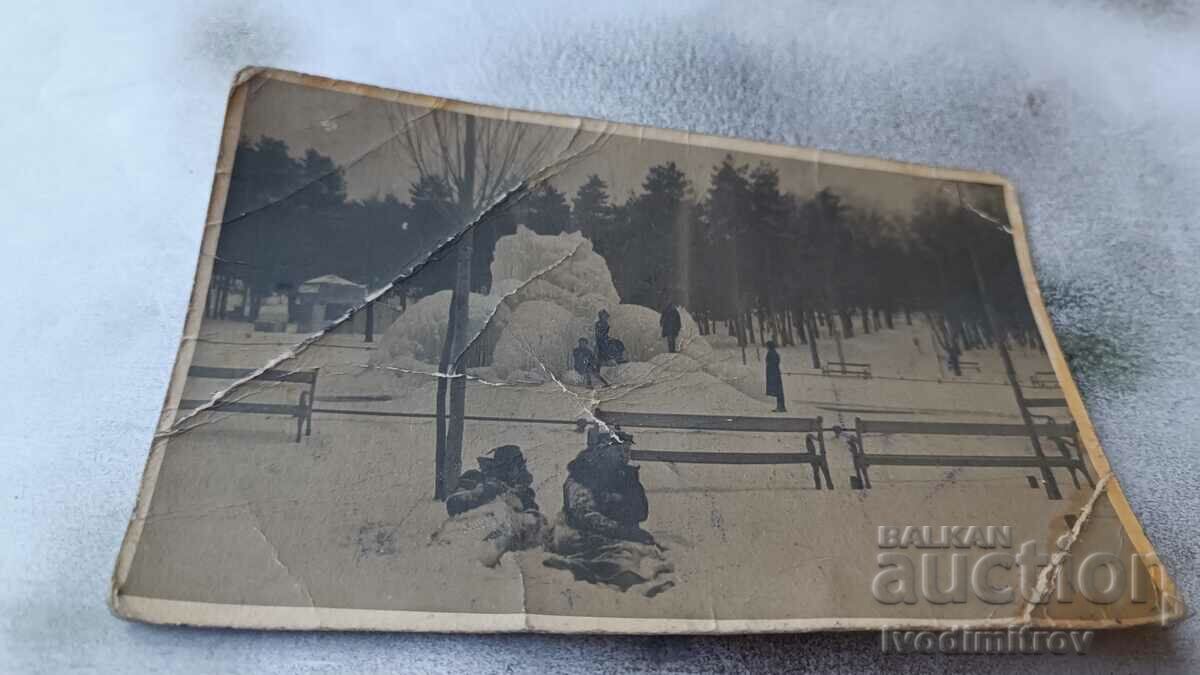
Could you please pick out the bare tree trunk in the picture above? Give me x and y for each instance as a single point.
(255, 304)
(812, 341)
(934, 344)
(837, 337)
(460, 309)
(223, 303)
(441, 482)
(210, 305)
(741, 335)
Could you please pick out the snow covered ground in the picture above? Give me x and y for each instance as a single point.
(345, 517)
(238, 501)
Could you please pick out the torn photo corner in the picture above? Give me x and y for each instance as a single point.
(450, 367)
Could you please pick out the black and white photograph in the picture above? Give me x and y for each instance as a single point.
(451, 361)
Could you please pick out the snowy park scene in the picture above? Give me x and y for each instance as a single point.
(457, 363)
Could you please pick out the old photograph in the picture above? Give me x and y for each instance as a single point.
(451, 367)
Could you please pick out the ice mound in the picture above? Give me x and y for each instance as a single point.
(634, 372)
(525, 255)
(539, 336)
(561, 269)
(586, 305)
(546, 293)
(420, 332)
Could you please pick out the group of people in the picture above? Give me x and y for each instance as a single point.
(610, 350)
(597, 535)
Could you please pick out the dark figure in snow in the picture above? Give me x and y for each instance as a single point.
(584, 361)
(501, 473)
(493, 511)
(616, 351)
(775, 378)
(598, 536)
(602, 336)
(952, 359)
(670, 325)
(609, 350)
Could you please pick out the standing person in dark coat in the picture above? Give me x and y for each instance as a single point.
(670, 325)
(603, 350)
(775, 378)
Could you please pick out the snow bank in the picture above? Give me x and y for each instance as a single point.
(639, 328)
(680, 383)
(420, 331)
(539, 335)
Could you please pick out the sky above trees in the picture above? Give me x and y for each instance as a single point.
(354, 132)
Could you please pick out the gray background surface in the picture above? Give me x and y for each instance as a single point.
(110, 124)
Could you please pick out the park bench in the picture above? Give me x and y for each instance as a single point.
(1043, 379)
(1064, 437)
(970, 365)
(302, 410)
(1034, 403)
(847, 369)
(814, 440)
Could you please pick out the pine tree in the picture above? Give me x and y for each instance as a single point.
(544, 210)
(648, 252)
(591, 213)
(727, 208)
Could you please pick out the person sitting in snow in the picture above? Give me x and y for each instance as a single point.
(597, 536)
(498, 501)
(584, 361)
(502, 473)
(616, 351)
(473, 491)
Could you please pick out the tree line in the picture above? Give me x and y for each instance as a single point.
(742, 254)
(746, 256)
(288, 219)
